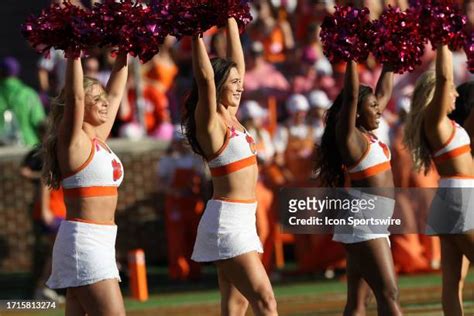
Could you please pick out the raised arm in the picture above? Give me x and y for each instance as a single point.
(348, 114)
(234, 46)
(351, 142)
(71, 125)
(439, 107)
(115, 90)
(206, 110)
(383, 91)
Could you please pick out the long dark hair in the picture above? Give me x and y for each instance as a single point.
(329, 165)
(221, 69)
(464, 103)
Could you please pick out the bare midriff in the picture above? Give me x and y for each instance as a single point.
(462, 165)
(239, 185)
(99, 209)
(381, 184)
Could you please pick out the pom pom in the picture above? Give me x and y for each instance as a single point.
(187, 17)
(190, 17)
(396, 40)
(240, 11)
(469, 49)
(442, 23)
(128, 26)
(64, 27)
(346, 34)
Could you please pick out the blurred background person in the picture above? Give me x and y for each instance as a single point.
(18, 103)
(48, 210)
(319, 104)
(253, 117)
(181, 177)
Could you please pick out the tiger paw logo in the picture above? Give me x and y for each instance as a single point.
(117, 169)
(253, 146)
(233, 132)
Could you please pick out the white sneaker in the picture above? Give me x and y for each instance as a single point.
(50, 295)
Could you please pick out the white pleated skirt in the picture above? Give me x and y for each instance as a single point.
(226, 230)
(83, 254)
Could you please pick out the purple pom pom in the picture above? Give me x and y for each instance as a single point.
(187, 17)
(396, 40)
(191, 17)
(346, 34)
(442, 23)
(59, 26)
(130, 27)
(240, 11)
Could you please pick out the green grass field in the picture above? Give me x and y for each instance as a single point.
(419, 295)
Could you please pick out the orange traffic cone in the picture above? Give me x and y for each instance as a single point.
(137, 269)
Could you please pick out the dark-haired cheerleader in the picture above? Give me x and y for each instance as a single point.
(227, 232)
(348, 146)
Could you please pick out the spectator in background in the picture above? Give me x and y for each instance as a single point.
(181, 177)
(262, 78)
(218, 44)
(319, 103)
(294, 145)
(162, 69)
(156, 112)
(411, 252)
(22, 102)
(51, 75)
(305, 80)
(310, 12)
(106, 62)
(274, 33)
(469, 11)
(48, 212)
(91, 68)
(312, 41)
(294, 139)
(253, 117)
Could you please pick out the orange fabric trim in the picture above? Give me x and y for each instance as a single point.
(249, 201)
(369, 172)
(234, 166)
(88, 221)
(449, 139)
(458, 176)
(363, 155)
(224, 146)
(453, 154)
(91, 191)
(85, 164)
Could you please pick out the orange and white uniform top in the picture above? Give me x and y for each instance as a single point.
(100, 175)
(458, 143)
(375, 160)
(238, 151)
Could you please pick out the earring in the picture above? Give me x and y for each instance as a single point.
(358, 115)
